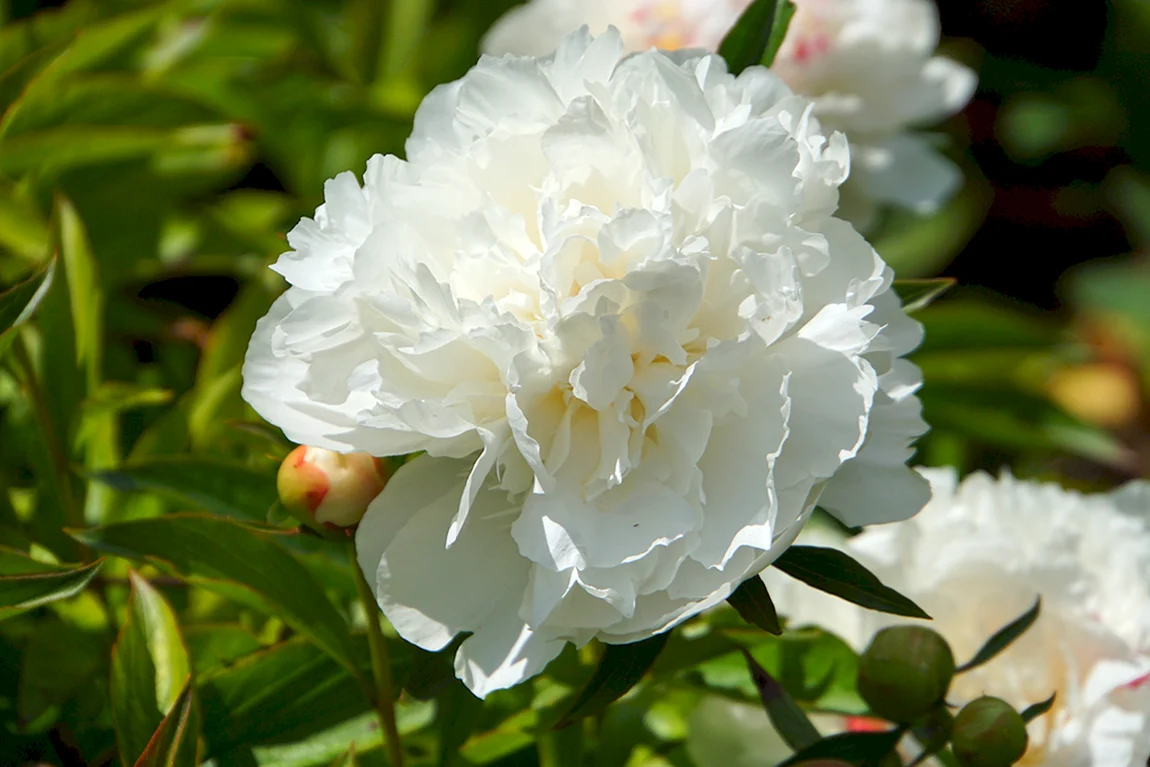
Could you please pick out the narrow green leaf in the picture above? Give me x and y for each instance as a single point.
(26, 583)
(620, 669)
(226, 489)
(238, 561)
(836, 572)
(784, 12)
(212, 646)
(1002, 638)
(1035, 710)
(347, 760)
(852, 747)
(285, 692)
(749, 40)
(918, 294)
(149, 669)
(754, 604)
(788, 719)
(19, 301)
(175, 742)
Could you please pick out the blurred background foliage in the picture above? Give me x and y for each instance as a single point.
(152, 154)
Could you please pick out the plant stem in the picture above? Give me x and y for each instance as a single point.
(383, 696)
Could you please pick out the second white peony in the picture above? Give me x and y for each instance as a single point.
(607, 297)
(976, 558)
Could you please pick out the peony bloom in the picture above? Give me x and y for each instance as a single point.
(869, 66)
(537, 27)
(977, 557)
(607, 297)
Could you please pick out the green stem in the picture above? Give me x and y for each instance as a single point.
(72, 511)
(383, 696)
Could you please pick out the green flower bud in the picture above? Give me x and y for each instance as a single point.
(905, 672)
(322, 487)
(988, 732)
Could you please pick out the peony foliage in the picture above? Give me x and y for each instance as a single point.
(581, 418)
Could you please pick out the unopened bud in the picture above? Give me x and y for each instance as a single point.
(319, 486)
(988, 732)
(905, 672)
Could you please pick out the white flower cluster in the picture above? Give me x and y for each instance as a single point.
(868, 66)
(608, 297)
(976, 558)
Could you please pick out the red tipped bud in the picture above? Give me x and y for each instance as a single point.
(322, 487)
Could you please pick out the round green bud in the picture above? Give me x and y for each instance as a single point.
(905, 672)
(988, 732)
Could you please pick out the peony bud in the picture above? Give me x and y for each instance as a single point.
(988, 732)
(905, 672)
(319, 486)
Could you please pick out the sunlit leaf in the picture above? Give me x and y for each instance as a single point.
(26, 583)
(149, 668)
(836, 572)
(918, 294)
(756, 36)
(175, 743)
(19, 302)
(235, 560)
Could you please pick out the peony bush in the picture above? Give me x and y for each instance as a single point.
(581, 418)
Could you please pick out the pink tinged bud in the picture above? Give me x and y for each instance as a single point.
(320, 486)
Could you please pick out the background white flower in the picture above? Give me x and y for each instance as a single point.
(976, 557)
(869, 66)
(607, 296)
(537, 27)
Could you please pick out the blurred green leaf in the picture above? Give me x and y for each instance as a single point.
(918, 294)
(150, 669)
(238, 561)
(966, 324)
(620, 668)
(854, 747)
(1035, 710)
(176, 742)
(213, 646)
(19, 302)
(286, 692)
(223, 488)
(64, 666)
(836, 572)
(1002, 638)
(788, 719)
(757, 35)
(754, 604)
(26, 583)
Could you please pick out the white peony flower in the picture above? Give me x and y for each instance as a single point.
(869, 66)
(976, 558)
(607, 297)
(537, 27)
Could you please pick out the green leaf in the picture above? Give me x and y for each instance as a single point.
(213, 646)
(788, 719)
(852, 747)
(835, 572)
(754, 605)
(240, 562)
(286, 692)
(19, 302)
(757, 35)
(1035, 710)
(1002, 638)
(26, 583)
(620, 669)
(226, 489)
(149, 669)
(918, 294)
(175, 742)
